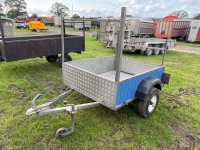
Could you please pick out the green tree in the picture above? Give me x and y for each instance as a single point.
(56, 9)
(197, 16)
(76, 16)
(110, 17)
(181, 14)
(34, 15)
(1, 7)
(16, 7)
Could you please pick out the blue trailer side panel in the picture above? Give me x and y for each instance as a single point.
(128, 88)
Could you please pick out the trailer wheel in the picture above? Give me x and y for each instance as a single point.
(148, 51)
(156, 52)
(67, 58)
(148, 107)
(52, 58)
(61, 131)
(162, 52)
(37, 30)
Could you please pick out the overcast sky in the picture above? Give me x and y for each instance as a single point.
(103, 8)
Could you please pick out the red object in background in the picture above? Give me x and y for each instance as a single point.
(198, 35)
(133, 47)
(171, 17)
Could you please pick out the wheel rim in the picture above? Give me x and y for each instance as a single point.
(152, 103)
(157, 52)
(59, 134)
(149, 51)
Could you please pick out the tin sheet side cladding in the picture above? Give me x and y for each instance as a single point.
(128, 89)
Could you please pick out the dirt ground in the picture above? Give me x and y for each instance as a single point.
(186, 49)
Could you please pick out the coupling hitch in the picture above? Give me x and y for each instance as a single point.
(37, 109)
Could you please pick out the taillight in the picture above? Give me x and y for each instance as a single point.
(133, 47)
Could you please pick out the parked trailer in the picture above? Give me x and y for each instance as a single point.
(111, 81)
(104, 31)
(8, 30)
(194, 33)
(146, 46)
(19, 48)
(172, 28)
(139, 27)
(20, 24)
(57, 22)
(95, 24)
(79, 25)
(48, 22)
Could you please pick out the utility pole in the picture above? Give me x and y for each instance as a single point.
(72, 9)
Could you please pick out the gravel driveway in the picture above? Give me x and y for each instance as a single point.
(186, 49)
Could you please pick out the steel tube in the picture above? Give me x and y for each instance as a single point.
(110, 20)
(120, 44)
(88, 105)
(62, 37)
(163, 60)
(84, 31)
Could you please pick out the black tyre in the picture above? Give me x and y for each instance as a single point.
(148, 51)
(61, 131)
(148, 107)
(52, 58)
(162, 52)
(37, 30)
(156, 52)
(67, 58)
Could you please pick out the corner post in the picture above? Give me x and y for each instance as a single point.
(120, 42)
(62, 38)
(163, 60)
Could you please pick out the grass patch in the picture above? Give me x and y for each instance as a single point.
(99, 127)
(27, 30)
(181, 42)
(70, 28)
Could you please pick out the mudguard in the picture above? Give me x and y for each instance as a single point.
(145, 86)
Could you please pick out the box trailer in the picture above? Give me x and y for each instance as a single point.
(19, 48)
(139, 27)
(112, 81)
(79, 25)
(194, 33)
(172, 28)
(57, 21)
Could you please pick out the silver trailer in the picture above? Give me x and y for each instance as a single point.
(79, 25)
(194, 33)
(20, 24)
(57, 21)
(140, 27)
(111, 81)
(104, 30)
(148, 46)
(145, 45)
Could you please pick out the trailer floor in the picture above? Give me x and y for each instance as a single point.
(111, 75)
